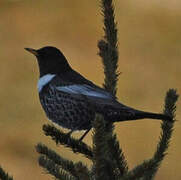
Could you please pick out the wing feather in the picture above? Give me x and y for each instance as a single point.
(85, 90)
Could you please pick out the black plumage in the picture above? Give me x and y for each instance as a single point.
(71, 101)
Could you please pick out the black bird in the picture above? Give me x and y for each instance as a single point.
(71, 101)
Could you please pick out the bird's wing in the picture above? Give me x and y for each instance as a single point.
(95, 96)
(86, 90)
(78, 87)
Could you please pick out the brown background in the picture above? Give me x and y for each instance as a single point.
(150, 54)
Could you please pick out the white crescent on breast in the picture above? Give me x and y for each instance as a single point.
(44, 80)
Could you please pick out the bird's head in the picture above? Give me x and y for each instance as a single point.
(50, 60)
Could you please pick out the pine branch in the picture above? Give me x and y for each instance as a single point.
(117, 155)
(110, 28)
(75, 169)
(148, 169)
(54, 169)
(4, 175)
(102, 164)
(167, 130)
(61, 138)
(108, 49)
(108, 55)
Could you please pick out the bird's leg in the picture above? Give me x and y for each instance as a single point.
(82, 137)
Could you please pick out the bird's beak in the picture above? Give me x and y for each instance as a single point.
(33, 51)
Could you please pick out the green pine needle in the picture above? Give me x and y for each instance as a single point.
(103, 168)
(72, 168)
(61, 138)
(54, 169)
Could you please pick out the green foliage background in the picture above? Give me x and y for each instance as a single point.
(150, 53)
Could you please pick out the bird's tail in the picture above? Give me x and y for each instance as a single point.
(143, 115)
(140, 115)
(125, 113)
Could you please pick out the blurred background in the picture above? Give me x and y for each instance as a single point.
(149, 59)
